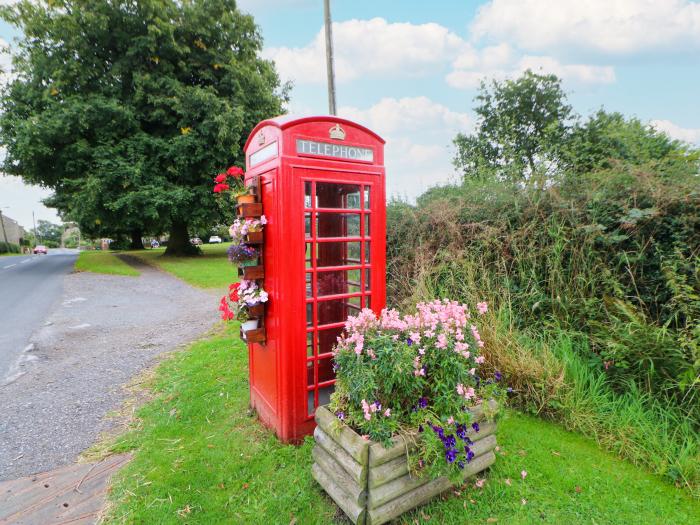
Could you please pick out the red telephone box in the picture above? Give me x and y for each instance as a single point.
(321, 182)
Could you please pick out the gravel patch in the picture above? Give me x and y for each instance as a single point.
(104, 331)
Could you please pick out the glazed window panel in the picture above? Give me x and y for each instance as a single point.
(334, 195)
(332, 224)
(338, 282)
(307, 195)
(328, 338)
(307, 224)
(309, 344)
(338, 254)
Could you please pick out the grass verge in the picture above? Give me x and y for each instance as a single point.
(103, 262)
(201, 457)
(209, 270)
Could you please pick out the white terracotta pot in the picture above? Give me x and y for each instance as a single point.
(251, 324)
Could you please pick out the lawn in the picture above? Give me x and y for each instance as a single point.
(103, 262)
(209, 270)
(201, 457)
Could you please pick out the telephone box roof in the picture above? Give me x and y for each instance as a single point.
(286, 121)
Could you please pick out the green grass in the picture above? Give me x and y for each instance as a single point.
(202, 458)
(103, 262)
(209, 270)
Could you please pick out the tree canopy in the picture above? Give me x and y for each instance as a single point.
(127, 109)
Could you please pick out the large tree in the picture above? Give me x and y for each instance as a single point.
(127, 108)
(522, 126)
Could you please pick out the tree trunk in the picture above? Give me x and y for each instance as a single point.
(179, 241)
(136, 240)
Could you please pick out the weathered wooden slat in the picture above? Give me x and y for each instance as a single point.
(393, 489)
(395, 468)
(378, 454)
(355, 470)
(353, 444)
(352, 510)
(423, 493)
(356, 492)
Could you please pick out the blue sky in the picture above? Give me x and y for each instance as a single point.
(409, 69)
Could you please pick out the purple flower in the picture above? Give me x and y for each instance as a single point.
(451, 454)
(475, 426)
(509, 390)
(409, 341)
(497, 376)
(341, 415)
(422, 402)
(469, 454)
(449, 441)
(420, 428)
(460, 464)
(461, 432)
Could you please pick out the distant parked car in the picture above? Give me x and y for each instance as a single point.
(196, 241)
(214, 239)
(40, 248)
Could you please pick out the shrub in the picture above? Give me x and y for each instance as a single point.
(420, 371)
(9, 247)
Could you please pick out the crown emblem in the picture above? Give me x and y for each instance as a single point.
(261, 138)
(336, 132)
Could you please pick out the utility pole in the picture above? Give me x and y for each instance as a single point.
(4, 233)
(329, 57)
(36, 236)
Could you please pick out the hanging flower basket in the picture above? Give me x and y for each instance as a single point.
(245, 199)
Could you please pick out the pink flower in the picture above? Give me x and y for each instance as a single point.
(263, 220)
(508, 481)
(479, 360)
(480, 482)
(421, 351)
(472, 371)
(482, 308)
(523, 474)
(387, 412)
(442, 341)
(450, 420)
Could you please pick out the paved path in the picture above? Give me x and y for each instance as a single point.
(103, 331)
(29, 287)
(72, 495)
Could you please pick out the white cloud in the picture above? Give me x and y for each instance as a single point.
(19, 200)
(608, 26)
(691, 135)
(418, 132)
(369, 47)
(502, 61)
(378, 48)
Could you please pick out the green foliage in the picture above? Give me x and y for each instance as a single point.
(103, 262)
(521, 127)
(606, 253)
(127, 109)
(9, 247)
(49, 233)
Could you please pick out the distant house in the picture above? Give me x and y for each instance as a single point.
(11, 230)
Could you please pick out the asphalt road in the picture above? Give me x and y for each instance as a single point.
(29, 286)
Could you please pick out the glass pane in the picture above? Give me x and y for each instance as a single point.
(309, 373)
(310, 408)
(307, 224)
(309, 314)
(325, 370)
(367, 251)
(327, 339)
(309, 287)
(368, 281)
(329, 224)
(354, 305)
(309, 344)
(324, 394)
(309, 254)
(332, 195)
(337, 253)
(366, 197)
(368, 301)
(307, 195)
(367, 230)
(337, 282)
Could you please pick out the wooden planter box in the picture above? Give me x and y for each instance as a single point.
(254, 209)
(252, 273)
(254, 238)
(253, 336)
(372, 484)
(256, 311)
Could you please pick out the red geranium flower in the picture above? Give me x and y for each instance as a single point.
(233, 292)
(234, 171)
(220, 187)
(221, 177)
